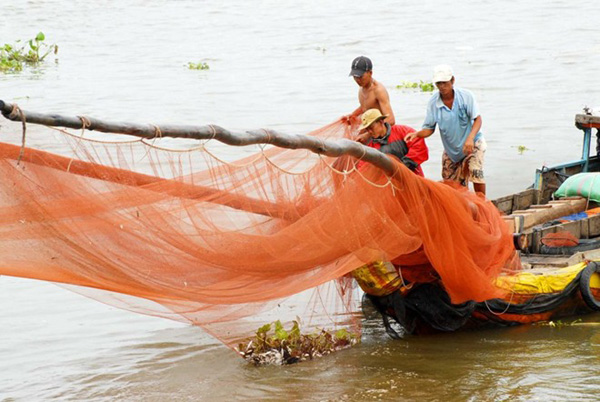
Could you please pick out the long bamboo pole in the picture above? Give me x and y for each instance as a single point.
(316, 145)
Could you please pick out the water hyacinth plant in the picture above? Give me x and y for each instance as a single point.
(198, 66)
(14, 57)
(421, 85)
(521, 149)
(560, 324)
(275, 345)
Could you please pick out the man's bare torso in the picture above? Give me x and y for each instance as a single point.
(367, 97)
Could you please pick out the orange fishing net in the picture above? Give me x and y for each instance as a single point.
(560, 239)
(197, 235)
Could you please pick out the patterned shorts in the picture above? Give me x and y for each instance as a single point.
(470, 169)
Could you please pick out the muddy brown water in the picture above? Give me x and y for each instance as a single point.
(284, 65)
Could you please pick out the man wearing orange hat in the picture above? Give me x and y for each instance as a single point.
(390, 140)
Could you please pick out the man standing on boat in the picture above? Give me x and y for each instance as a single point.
(372, 94)
(390, 140)
(456, 112)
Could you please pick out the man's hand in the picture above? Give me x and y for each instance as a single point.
(363, 138)
(468, 147)
(347, 120)
(410, 137)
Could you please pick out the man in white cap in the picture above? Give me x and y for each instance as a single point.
(390, 140)
(456, 112)
(372, 94)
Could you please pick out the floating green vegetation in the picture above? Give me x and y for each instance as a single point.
(198, 66)
(521, 149)
(421, 85)
(559, 324)
(274, 345)
(14, 57)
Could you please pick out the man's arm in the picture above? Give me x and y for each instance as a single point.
(363, 137)
(423, 133)
(469, 143)
(349, 118)
(357, 112)
(418, 151)
(383, 98)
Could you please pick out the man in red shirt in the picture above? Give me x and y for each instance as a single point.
(390, 140)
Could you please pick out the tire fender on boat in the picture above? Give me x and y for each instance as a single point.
(584, 285)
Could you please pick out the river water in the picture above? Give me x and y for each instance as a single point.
(284, 65)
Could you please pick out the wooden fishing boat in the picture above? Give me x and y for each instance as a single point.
(556, 282)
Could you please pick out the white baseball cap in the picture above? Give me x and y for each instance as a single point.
(442, 73)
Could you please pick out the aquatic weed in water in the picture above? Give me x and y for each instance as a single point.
(14, 57)
(198, 66)
(421, 85)
(275, 345)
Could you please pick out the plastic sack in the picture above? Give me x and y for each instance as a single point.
(582, 184)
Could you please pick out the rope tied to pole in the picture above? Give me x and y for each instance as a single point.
(157, 131)
(85, 122)
(18, 111)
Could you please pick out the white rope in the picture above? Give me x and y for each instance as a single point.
(85, 122)
(204, 149)
(23, 137)
(507, 305)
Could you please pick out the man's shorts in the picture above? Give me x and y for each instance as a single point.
(470, 169)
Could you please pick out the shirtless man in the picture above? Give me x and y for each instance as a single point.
(372, 94)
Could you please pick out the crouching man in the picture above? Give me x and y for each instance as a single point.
(390, 140)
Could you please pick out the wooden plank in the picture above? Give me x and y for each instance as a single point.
(566, 200)
(582, 229)
(529, 236)
(514, 222)
(593, 226)
(572, 227)
(534, 217)
(587, 121)
(535, 243)
(517, 201)
(504, 204)
(510, 222)
(541, 263)
(529, 220)
(585, 228)
(524, 211)
(548, 261)
(525, 199)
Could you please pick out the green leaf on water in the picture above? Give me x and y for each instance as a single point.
(14, 57)
(264, 329)
(421, 85)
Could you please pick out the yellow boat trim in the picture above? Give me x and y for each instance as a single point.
(553, 281)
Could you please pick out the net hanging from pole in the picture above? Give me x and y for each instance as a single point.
(197, 234)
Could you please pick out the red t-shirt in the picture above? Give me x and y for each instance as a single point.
(417, 149)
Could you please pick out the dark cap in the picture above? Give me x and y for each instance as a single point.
(360, 65)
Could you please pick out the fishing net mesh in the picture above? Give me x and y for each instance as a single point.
(231, 238)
